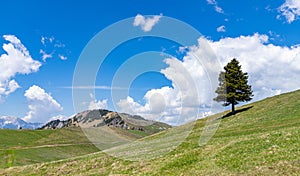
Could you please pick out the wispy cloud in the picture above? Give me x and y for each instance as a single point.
(221, 29)
(45, 56)
(95, 87)
(146, 23)
(216, 6)
(53, 46)
(46, 40)
(62, 57)
(274, 36)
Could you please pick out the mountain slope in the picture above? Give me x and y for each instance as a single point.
(262, 139)
(64, 139)
(118, 121)
(17, 123)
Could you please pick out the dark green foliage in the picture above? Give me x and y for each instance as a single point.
(233, 85)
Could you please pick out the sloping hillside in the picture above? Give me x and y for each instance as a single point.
(128, 124)
(262, 139)
(23, 147)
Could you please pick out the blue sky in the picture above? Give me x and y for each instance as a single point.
(263, 35)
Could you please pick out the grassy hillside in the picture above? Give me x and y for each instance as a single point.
(22, 147)
(262, 139)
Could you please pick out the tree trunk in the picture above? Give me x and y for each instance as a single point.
(232, 109)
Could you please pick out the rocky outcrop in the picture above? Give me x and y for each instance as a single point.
(101, 117)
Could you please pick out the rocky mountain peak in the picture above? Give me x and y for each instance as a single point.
(103, 117)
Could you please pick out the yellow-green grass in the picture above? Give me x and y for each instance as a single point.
(263, 138)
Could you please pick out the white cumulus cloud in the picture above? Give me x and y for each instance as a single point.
(272, 70)
(42, 106)
(187, 99)
(97, 104)
(146, 23)
(290, 9)
(16, 60)
(59, 117)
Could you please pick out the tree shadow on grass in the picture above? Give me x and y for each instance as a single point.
(236, 112)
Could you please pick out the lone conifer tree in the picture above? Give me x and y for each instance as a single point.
(233, 86)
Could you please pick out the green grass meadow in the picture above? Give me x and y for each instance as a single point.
(263, 138)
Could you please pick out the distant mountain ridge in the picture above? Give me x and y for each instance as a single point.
(9, 122)
(103, 117)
